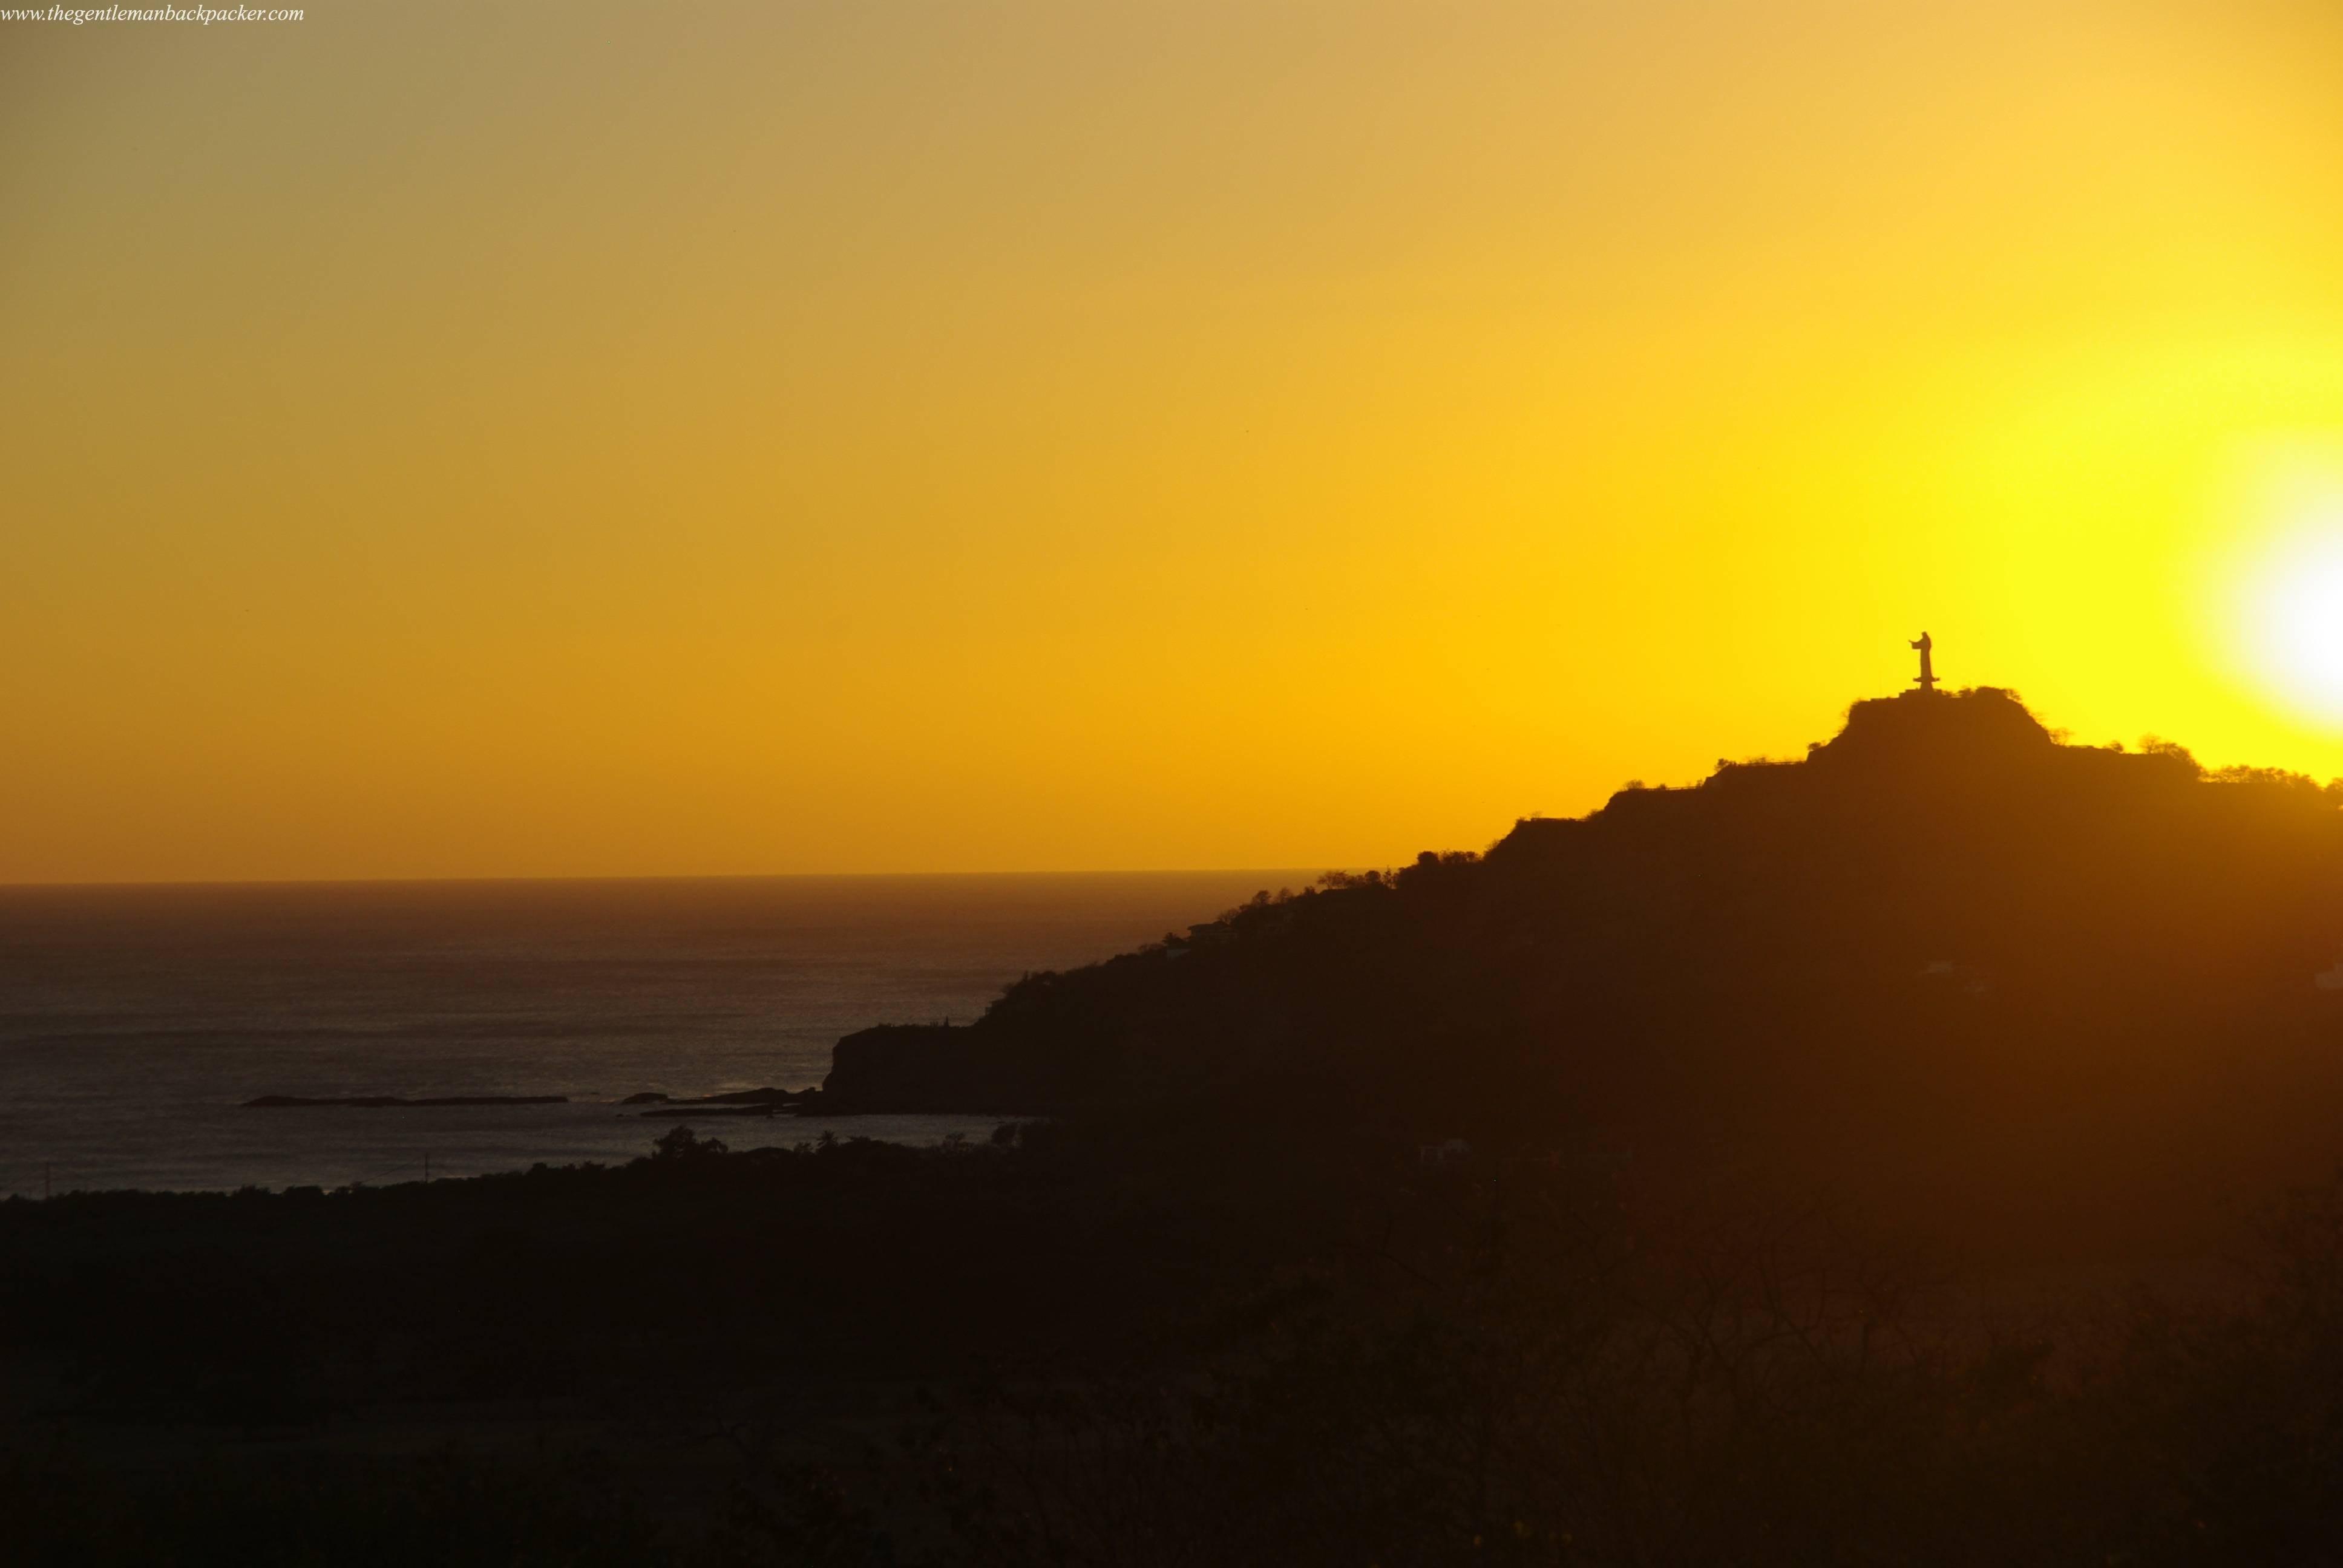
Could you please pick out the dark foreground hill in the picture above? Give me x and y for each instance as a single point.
(1845, 1137)
(1942, 945)
(1114, 1342)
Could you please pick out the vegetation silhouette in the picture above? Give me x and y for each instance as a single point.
(1944, 949)
(1827, 1159)
(1139, 1351)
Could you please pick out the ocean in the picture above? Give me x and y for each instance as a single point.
(134, 1021)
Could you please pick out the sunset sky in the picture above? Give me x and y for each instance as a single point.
(930, 435)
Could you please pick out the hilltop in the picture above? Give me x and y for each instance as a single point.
(1842, 1137)
(1943, 931)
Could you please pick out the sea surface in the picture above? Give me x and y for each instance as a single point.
(134, 1021)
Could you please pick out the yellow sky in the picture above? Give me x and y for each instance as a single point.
(460, 439)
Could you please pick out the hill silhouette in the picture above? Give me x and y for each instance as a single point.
(1944, 943)
(1841, 1132)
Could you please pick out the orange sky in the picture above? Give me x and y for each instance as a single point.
(458, 439)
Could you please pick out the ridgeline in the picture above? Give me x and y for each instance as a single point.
(1840, 1140)
(1944, 945)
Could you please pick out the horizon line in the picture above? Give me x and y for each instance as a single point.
(492, 880)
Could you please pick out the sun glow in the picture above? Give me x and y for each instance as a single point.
(2288, 602)
(1043, 435)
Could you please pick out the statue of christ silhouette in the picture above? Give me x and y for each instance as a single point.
(1926, 680)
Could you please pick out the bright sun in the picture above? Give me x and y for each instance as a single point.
(2289, 606)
